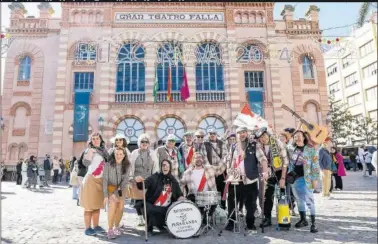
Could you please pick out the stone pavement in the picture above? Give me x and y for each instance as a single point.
(50, 216)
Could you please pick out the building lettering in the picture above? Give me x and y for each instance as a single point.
(126, 17)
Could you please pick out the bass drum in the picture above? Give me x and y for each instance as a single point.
(183, 219)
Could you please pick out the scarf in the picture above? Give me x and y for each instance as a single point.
(103, 152)
(276, 159)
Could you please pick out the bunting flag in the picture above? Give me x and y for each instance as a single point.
(246, 118)
(169, 90)
(156, 86)
(185, 94)
(81, 116)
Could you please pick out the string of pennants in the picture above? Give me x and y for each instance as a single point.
(329, 42)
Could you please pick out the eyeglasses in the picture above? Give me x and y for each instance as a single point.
(212, 134)
(200, 137)
(144, 141)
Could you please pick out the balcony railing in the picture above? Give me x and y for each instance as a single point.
(161, 97)
(130, 97)
(210, 96)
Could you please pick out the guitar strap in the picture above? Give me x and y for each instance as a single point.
(276, 159)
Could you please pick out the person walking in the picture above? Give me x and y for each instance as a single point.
(337, 159)
(19, 170)
(32, 172)
(55, 167)
(353, 160)
(116, 177)
(61, 170)
(374, 161)
(361, 157)
(47, 169)
(325, 163)
(368, 156)
(74, 182)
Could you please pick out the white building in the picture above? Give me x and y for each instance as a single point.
(351, 70)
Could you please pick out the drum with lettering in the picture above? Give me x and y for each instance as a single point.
(183, 219)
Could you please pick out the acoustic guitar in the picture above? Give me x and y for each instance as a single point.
(317, 133)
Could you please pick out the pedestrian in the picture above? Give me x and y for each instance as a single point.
(305, 165)
(47, 169)
(116, 176)
(3, 170)
(91, 192)
(374, 161)
(24, 172)
(55, 167)
(361, 157)
(325, 163)
(61, 169)
(32, 172)
(339, 172)
(19, 170)
(144, 163)
(74, 168)
(67, 169)
(353, 160)
(368, 156)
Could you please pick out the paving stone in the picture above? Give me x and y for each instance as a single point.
(51, 216)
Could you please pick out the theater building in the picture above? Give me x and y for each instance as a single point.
(111, 67)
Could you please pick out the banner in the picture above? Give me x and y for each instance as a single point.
(81, 116)
(256, 102)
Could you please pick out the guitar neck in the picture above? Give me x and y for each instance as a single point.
(296, 115)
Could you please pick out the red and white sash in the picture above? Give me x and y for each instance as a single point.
(190, 156)
(162, 199)
(202, 182)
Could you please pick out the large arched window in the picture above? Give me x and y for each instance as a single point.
(169, 57)
(25, 67)
(209, 68)
(308, 72)
(131, 70)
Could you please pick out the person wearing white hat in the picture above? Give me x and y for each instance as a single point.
(121, 141)
(170, 152)
(216, 153)
(186, 149)
(143, 164)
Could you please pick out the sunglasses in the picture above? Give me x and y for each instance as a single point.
(118, 140)
(200, 137)
(212, 134)
(144, 141)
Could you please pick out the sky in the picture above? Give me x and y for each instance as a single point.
(331, 15)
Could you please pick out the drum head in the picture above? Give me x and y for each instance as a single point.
(183, 219)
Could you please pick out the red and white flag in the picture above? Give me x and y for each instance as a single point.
(246, 118)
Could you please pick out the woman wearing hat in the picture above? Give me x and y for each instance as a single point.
(143, 164)
(119, 141)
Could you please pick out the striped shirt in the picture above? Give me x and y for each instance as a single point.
(113, 176)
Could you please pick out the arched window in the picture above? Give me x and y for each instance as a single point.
(209, 68)
(169, 55)
(25, 67)
(85, 52)
(131, 70)
(307, 67)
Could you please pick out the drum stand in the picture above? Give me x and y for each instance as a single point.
(208, 226)
(237, 221)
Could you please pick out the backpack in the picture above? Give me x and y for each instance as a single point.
(82, 168)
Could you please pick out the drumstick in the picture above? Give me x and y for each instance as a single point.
(145, 212)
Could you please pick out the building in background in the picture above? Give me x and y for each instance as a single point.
(351, 71)
(96, 69)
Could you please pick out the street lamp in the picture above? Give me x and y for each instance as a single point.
(101, 124)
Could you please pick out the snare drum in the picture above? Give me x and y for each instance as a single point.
(208, 198)
(183, 219)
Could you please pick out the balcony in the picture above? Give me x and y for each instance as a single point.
(210, 96)
(130, 97)
(161, 97)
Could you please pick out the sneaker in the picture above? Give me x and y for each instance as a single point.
(89, 232)
(316, 191)
(140, 221)
(111, 234)
(99, 229)
(252, 231)
(117, 231)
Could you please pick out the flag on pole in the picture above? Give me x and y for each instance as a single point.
(185, 94)
(246, 118)
(169, 90)
(156, 85)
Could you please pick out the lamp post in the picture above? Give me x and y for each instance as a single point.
(101, 124)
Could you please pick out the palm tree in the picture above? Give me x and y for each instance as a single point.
(364, 12)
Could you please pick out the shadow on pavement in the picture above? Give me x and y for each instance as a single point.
(2, 197)
(8, 193)
(5, 240)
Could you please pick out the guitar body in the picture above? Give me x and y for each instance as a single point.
(318, 133)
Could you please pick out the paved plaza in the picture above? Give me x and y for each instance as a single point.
(51, 216)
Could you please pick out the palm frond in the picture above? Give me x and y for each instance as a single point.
(363, 14)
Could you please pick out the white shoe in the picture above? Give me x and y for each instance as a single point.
(370, 176)
(140, 221)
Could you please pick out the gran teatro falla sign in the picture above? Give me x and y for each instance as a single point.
(177, 18)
